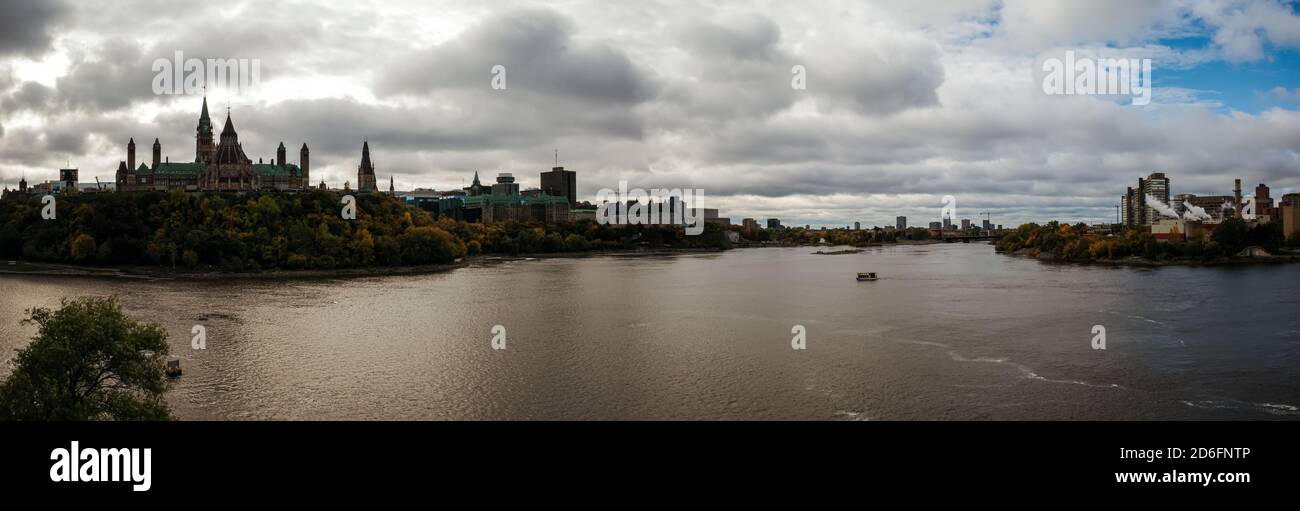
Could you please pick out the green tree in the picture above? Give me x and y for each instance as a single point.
(1231, 235)
(83, 247)
(88, 361)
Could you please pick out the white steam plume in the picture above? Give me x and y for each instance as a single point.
(1195, 213)
(1161, 207)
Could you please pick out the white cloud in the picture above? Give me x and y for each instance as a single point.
(906, 101)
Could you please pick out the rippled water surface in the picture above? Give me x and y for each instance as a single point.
(949, 332)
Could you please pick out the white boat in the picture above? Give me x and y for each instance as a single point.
(867, 276)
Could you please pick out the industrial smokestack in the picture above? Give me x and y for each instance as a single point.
(1236, 194)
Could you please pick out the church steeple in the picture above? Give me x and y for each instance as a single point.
(366, 172)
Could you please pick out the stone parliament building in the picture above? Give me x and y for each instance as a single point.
(222, 166)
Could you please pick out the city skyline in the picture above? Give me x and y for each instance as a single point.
(931, 101)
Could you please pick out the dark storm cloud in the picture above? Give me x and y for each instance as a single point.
(113, 78)
(119, 72)
(905, 102)
(746, 37)
(741, 70)
(25, 25)
(31, 96)
(66, 140)
(336, 126)
(540, 57)
(95, 144)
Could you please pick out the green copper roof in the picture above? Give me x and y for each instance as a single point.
(546, 199)
(190, 168)
(194, 168)
(484, 200)
(266, 169)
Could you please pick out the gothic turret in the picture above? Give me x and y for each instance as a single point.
(302, 162)
(130, 153)
(125, 179)
(476, 188)
(366, 172)
(203, 147)
(157, 153)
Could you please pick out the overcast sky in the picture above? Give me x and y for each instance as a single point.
(906, 100)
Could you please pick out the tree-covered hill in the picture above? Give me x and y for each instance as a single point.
(287, 231)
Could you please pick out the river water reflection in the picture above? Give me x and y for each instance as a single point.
(949, 332)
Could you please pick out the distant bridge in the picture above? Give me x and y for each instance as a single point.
(967, 238)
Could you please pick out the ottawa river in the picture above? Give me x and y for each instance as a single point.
(949, 332)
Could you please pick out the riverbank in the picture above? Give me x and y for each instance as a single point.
(157, 273)
(163, 273)
(1151, 263)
